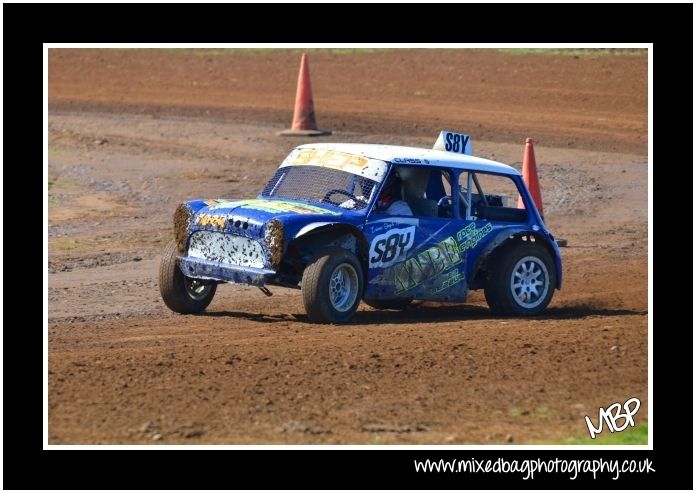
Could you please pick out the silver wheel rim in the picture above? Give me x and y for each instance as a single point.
(197, 289)
(529, 282)
(343, 287)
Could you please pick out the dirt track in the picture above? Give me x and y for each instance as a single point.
(132, 134)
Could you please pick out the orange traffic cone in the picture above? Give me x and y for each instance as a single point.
(304, 121)
(530, 177)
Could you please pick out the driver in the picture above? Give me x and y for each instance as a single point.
(390, 200)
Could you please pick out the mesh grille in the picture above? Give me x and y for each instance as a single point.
(226, 248)
(317, 184)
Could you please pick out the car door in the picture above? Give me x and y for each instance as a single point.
(417, 256)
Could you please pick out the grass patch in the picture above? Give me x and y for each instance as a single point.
(215, 52)
(542, 411)
(539, 412)
(66, 243)
(637, 435)
(346, 51)
(64, 185)
(517, 411)
(575, 52)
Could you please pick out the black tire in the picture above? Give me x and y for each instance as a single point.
(332, 303)
(398, 304)
(179, 291)
(533, 264)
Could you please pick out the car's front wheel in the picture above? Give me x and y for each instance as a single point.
(332, 285)
(180, 293)
(521, 280)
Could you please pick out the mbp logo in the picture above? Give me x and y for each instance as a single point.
(390, 246)
(612, 414)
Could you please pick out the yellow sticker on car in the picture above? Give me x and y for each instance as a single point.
(210, 220)
(329, 159)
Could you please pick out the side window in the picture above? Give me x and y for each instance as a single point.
(490, 197)
(420, 191)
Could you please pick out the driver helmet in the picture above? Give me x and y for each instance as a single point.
(391, 192)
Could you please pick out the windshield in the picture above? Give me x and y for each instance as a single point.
(321, 184)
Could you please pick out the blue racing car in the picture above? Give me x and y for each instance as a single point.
(383, 224)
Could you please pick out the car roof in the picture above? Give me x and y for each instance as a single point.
(425, 157)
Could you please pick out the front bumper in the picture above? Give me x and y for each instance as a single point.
(199, 268)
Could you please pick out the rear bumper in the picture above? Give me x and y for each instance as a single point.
(208, 269)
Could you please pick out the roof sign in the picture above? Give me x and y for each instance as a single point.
(454, 142)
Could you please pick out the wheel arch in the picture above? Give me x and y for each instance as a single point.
(511, 235)
(317, 236)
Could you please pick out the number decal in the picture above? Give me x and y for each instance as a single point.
(455, 145)
(390, 250)
(388, 247)
(448, 142)
(456, 142)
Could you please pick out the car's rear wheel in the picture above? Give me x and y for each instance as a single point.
(399, 304)
(520, 280)
(180, 293)
(332, 285)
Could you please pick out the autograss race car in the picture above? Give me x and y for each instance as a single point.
(383, 224)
